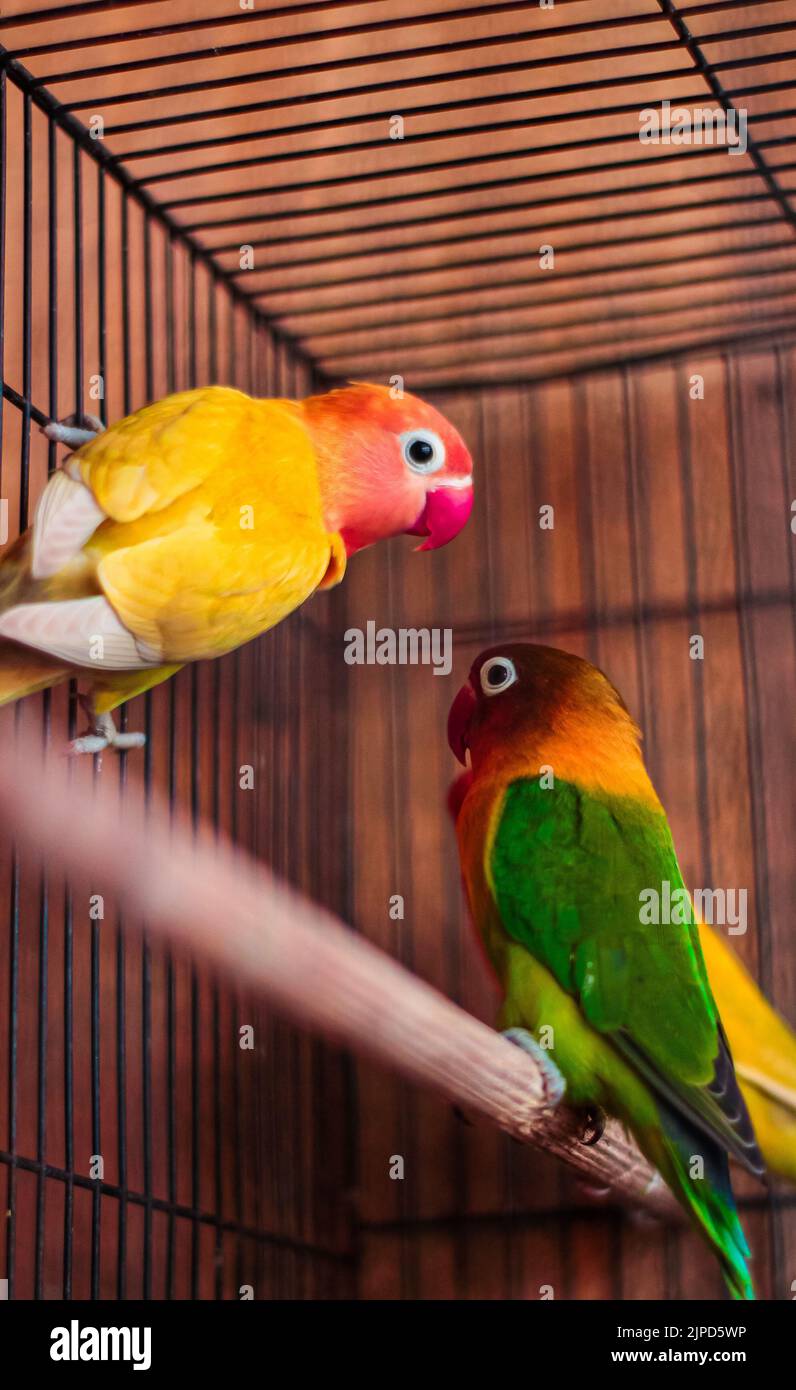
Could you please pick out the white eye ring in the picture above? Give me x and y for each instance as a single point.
(428, 450)
(509, 674)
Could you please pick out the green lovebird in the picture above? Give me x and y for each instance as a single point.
(561, 837)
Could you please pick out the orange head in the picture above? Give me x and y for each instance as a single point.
(388, 464)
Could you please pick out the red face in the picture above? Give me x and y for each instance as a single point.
(493, 672)
(518, 688)
(390, 465)
(509, 683)
(439, 458)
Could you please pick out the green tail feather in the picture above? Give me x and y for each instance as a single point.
(709, 1199)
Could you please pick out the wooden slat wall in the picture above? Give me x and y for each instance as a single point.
(667, 510)
(272, 127)
(256, 1141)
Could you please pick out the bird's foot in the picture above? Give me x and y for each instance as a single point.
(73, 431)
(102, 735)
(593, 1120)
(553, 1082)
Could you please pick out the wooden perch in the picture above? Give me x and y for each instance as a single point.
(211, 899)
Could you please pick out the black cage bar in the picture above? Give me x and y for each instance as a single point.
(132, 1058)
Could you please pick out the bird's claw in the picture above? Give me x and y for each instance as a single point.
(593, 1125)
(124, 743)
(104, 734)
(553, 1083)
(73, 431)
(87, 743)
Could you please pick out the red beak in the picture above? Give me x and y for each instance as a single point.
(444, 515)
(459, 719)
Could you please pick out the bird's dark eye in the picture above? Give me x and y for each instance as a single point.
(420, 451)
(497, 674)
(423, 451)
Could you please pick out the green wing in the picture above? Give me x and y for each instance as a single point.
(568, 870)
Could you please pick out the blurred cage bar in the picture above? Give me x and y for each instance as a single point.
(389, 173)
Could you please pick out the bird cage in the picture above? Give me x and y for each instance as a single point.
(572, 228)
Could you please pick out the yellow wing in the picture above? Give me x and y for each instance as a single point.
(763, 1049)
(144, 462)
(216, 531)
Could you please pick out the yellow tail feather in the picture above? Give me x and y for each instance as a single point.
(763, 1049)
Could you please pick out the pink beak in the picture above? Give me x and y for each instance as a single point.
(461, 713)
(444, 515)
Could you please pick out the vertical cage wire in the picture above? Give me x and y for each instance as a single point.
(116, 1027)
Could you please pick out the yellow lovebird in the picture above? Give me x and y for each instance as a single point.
(197, 523)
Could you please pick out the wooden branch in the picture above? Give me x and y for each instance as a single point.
(219, 904)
